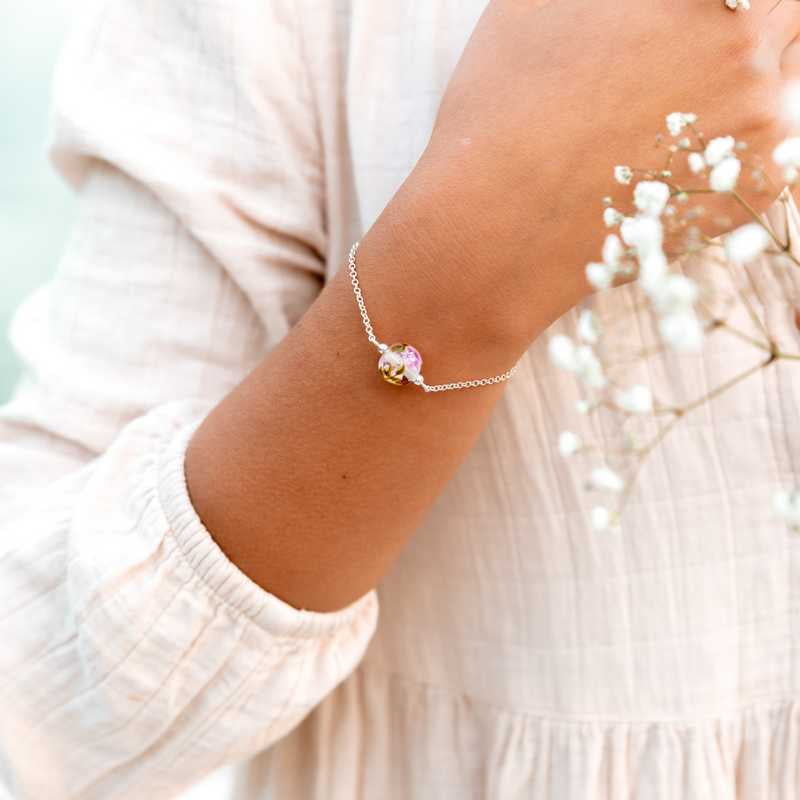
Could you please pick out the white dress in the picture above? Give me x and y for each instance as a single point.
(226, 155)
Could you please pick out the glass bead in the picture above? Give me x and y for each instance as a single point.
(401, 363)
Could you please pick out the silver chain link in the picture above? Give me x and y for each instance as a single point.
(382, 347)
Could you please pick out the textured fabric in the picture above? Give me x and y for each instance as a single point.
(225, 155)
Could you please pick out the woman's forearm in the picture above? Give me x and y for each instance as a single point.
(313, 473)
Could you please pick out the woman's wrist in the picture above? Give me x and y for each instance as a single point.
(439, 270)
(417, 295)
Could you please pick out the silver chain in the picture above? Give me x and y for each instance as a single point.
(439, 387)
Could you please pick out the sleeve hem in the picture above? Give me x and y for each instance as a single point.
(206, 559)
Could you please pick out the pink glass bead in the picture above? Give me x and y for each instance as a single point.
(400, 364)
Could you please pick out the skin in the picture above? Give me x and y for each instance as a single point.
(313, 473)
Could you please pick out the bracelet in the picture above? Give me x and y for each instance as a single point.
(401, 363)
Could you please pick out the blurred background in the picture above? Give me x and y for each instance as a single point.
(35, 204)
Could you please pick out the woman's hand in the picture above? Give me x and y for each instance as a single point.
(550, 95)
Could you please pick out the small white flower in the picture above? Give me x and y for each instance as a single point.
(676, 122)
(589, 369)
(569, 443)
(787, 153)
(577, 359)
(719, 149)
(582, 407)
(623, 174)
(613, 250)
(746, 243)
(588, 327)
(636, 400)
(562, 352)
(642, 233)
(599, 275)
(612, 217)
(601, 518)
(696, 163)
(650, 197)
(787, 505)
(675, 293)
(724, 176)
(653, 269)
(605, 478)
(682, 331)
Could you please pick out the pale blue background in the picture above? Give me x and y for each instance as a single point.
(35, 205)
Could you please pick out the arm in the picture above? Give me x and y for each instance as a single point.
(136, 656)
(470, 262)
(342, 464)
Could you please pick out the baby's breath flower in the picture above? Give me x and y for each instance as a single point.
(588, 327)
(636, 400)
(682, 331)
(601, 518)
(577, 359)
(746, 243)
(674, 293)
(725, 175)
(642, 233)
(613, 250)
(605, 478)
(787, 155)
(653, 268)
(787, 505)
(696, 163)
(623, 174)
(589, 368)
(599, 275)
(676, 122)
(562, 352)
(612, 217)
(569, 443)
(650, 197)
(582, 407)
(719, 149)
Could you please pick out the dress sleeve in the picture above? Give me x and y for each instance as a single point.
(135, 657)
